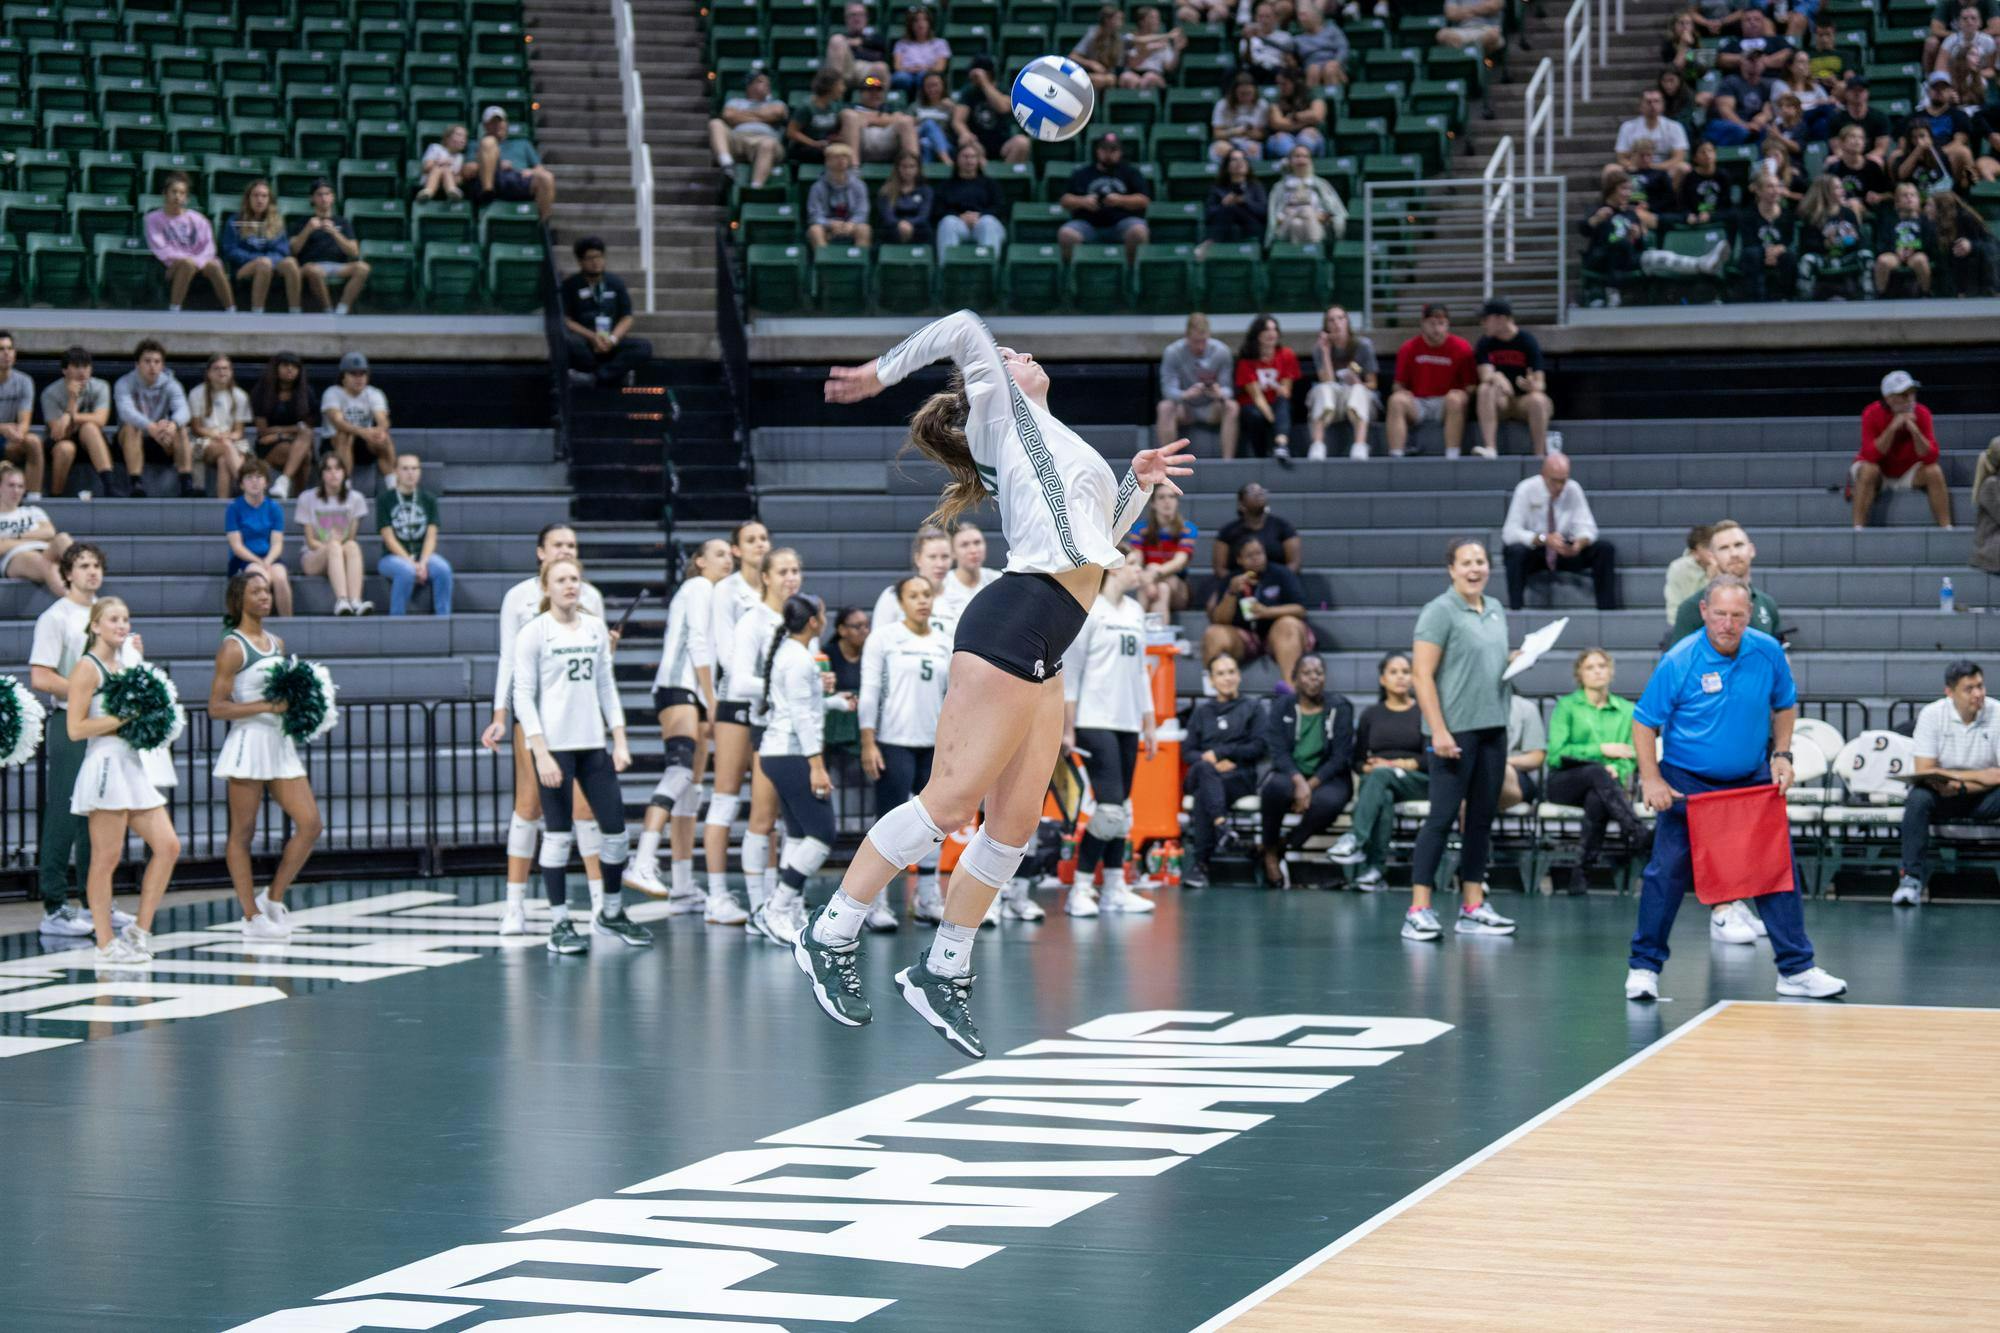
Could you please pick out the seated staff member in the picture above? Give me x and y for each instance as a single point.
(1590, 747)
(1107, 716)
(1390, 740)
(968, 575)
(905, 670)
(1223, 737)
(1958, 744)
(1262, 609)
(1717, 714)
(1527, 751)
(1310, 738)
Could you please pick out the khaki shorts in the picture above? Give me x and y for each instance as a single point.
(746, 143)
(879, 143)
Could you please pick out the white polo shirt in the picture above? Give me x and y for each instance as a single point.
(1940, 735)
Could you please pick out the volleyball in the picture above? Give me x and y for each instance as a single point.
(1053, 98)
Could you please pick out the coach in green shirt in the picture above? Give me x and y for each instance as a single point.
(1730, 552)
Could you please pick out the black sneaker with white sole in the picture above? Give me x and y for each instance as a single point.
(564, 938)
(942, 1002)
(835, 980)
(622, 927)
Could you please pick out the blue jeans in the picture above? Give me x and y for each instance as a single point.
(1670, 874)
(402, 576)
(1727, 133)
(932, 142)
(1279, 146)
(989, 231)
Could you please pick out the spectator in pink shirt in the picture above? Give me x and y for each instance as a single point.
(919, 51)
(181, 240)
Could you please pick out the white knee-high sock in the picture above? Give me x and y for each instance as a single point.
(756, 861)
(649, 848)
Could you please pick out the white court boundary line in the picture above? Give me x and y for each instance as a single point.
(1411, 1200)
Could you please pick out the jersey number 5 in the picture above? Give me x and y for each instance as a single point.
(580, 668)
(925, 666)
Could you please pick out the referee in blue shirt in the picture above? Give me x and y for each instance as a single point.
(1718, 704)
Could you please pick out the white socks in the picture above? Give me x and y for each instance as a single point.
(951, 952)
(517, 895)
(596, 897)
(756, 860)
(840, 924)
(1114, 879)
(718, 883)
(559, 912)
(649, 847)
(682, 884)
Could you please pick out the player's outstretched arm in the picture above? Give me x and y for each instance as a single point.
(851, 384)
(1157, 467)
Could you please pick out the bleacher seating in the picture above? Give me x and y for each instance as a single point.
(98, 102)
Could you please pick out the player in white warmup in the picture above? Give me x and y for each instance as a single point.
(775, 914)
(968, 576)
(930, 556)
(751, 545)
(1108, 715)
(905, 667)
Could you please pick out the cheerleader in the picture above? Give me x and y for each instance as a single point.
(790, 753)
(566, 699)
(905, 667)
(930, 556)
(522, 603)
(968, 575)
(684, 698)
(113, 793)
(1063, 513)
(750, 544)
(775, 913)
(257, 754)
(1107, 716)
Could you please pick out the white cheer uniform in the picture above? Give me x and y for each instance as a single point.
(257, 748)
(58, 645)
(796, 724)
(113, 776)
(1104, 670)
(563, 685)
(522, 604)
(903, 680)
(690, 617)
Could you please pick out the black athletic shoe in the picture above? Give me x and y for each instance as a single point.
(941, 1002)
(836, 982)
(622, 927)
(1194, 875)
(564, 938)
(188, 488)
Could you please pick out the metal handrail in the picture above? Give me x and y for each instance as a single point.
(1576, 55)
(632, 94)
(1498, 200)
(1538, 117)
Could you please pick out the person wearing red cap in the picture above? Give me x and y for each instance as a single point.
(1899, 450)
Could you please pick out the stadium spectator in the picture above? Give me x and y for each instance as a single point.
(1389, 740)
(1266, 371)
(353, 410)
(1224, 745)
(815, 125)
(1165, 540)
(597, 315)
(19, 444)
(1197, 384)
(254, 525)
(1756, 35)
(1347, 377)
(1863, 177)
(1767, 244)
(219, 421)
(1549, 528)
(407, 518)
(837, 204)
(1321, 48)
(327, 253)
(442, 166)
(1241, 119)
(182, 241)
(286, 412)
(1855, 110)
(1968, 40)
(932, 109)
(856, 52)
(1716, 17)
(1474, 24)
(1828, 66)
(1690, 571)
(1592, 759)
(1653, 190)
(985, 113)
(1236, 202)
(1732, 554)
(1261, 610)
(1527, 751)
(872, 130)
(1616, 232)
(1255, 519)
(1834, 258)
(1816, 105)
(1947, 21)
(510, 169)
(919, 51)
(1906, 245)
(1101, 49)
(968, 204)
(76, 410)
(1936, 148)
(1681, 49)
(1263, 45)
(1298, 117)
(1512, 384)
(152, 409)
(30, 547)
(1204, 11)
(1704, 191)
(1434, 378)
(751, 126)
(1957, 744)
(1741, 107)
(1683, 104)
(1971, 253)
(1152, 52)
(255, 248)
(1899, 450)
(904, 203)
(1106, 199)
(1668, 138)
(1301, 207)
(331, 518)
(1309, 737)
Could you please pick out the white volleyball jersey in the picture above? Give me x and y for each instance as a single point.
(955, 597)
(1104, 671)
(1060, 506)
(522, 604)
(796, 723)
(732, 597)
(687, 646)
(563, 686)
(755, 629)
(903, 680)
(889, 610)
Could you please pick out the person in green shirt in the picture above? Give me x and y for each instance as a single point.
(1592, 759)
(510, 169)
(1730, 552)
(407, 516)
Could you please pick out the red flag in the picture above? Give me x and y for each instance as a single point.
(1742, 843)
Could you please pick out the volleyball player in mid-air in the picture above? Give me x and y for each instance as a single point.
(1062, 513)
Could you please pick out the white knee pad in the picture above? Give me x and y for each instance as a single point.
(991, 863)
(906, 834)
(615, 848)
(673, 784)
(555, 849)
(688, 804)
(756, 853)
(722, 809)
(1110, 822)
(521, 837)
(806, 855)
(589, 838)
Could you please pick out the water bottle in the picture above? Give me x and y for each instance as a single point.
(1555, 441)
(1945, 598)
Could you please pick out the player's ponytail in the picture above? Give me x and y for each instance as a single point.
(798, 613)
(937, 432)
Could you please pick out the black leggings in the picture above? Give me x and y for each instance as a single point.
(1113, 759)
(906, 770)
(1328, 800)
(1473, 778)
(806, 815)
(592, 771)
(1603, 798)
(1214, 793)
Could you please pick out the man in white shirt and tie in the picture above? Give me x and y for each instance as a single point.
(1549, 528)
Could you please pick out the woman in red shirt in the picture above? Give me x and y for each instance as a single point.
(1265, 373)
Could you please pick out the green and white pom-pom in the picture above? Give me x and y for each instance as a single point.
(144, 698)
(307, 692)
(21, 718)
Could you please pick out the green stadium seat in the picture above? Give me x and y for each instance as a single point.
(378, 219)
(94, 215)
(777, 278)
(376, 101)
(252, 100)
(1045, 12)
(1206, 39)
(124, 274)
(430, 69)
(229, 174)
(840, 279)
(293, 177)
(1402, 63)
(384, 138)
(369, 178)
(1190, 106)
(1022, 42)
(1446, 97)
(447, 220)
(372, 67)
(1189, 181)
(450, 276)
(759, 224)
(1232, 277)
(1035, 223)
(55, 268)
(1207, 72)
(1361, 135)
(18, 128)
(502, 223)
(319, 69)
(198, 134)
(42, 170)
(1392, 167)
(1295, 277)
(1031, 279)
(1015, 179)
(904, 279)
(498, 39)
(1164, 278)
(191, 97)
(60, 92)
(1170, 222)
(12, 94)
(213, 31)
(128, 95)
(58, 58)
(514, 276)
(511, 68)
(266, 136)
(1429, 137)
(270, 32)
(442, 35)
(1350, 267)
(10, 267)
(314, 101)
(436, 10)
(33, 22)
(92, 25)
(157, 166)
(100, 172)
(1099, 278)
(153, 29)
(173, 61)
(240, 65)
(969, 277)
(1130, 106)
(1180, 143)
(444, 102)
(1376, 99)
(72, 130)
(319, 139)
(492, 11)
(392, 273)
(391, 36)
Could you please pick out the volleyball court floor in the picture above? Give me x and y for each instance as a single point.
(1256, 1110)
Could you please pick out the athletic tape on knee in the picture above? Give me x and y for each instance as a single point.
(806, 855)
(906, 834)
(555, 850)
(688, 804)
(991, 863)
(589, 838)
(522, 835)
(615, 848)
(1110, 822)
(722, 809)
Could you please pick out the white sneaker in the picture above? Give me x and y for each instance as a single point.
(1909, 892)
(363, 607)
(514, 921)
(139, 942)
(1421, 924)
(69, 921)
(880, 919)
(1357, 450)
(992, 917)
(264, 927)
(1082, 900)
(281, 488)
(1747, 914)
(1016, 905)
(343, 606)
(930, 905)
(1484, 451)
(1370, 880)
(1346, 851)
(119, 953)
(1316, 450)
(1815, 983)
(277, 911)
(723, 910)
(1483, 920)
(777, 922)
(1642, 984)
(1725, 927)
(644, 875)
(119, 919)
(1124, 900)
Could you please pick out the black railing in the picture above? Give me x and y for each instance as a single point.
(732, 336)
(561, 393)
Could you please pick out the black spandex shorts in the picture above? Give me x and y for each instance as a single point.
(673, 696)
(1021, 624)
(733, 710)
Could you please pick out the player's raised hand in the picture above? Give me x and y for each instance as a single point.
(851, 384)
(1154, 467)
